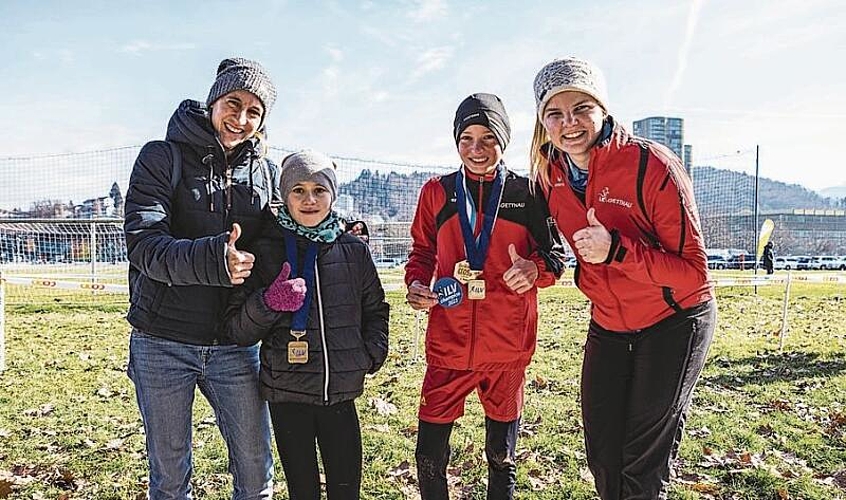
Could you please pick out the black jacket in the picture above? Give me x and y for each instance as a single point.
(347, 328)
(176, 238)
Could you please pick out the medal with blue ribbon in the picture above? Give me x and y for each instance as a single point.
(476, 248)
(298, 349)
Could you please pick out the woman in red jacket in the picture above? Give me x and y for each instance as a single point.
(483, 239)
(626, 207)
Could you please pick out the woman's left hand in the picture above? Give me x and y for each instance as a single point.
(594, 241)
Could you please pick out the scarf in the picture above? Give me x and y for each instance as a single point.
(325, 232)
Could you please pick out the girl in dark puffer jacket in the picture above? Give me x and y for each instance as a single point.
(315, 302)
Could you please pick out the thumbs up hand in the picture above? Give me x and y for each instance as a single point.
(521, 276)
(593, 242)
(285, 294)
(238, 263)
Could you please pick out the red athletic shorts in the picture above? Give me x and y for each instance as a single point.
(444, 392)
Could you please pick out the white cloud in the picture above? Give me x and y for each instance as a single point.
(336, 54)
(427, 10)
(138, 46)
(684, 49)
(381, 35)
(66, 56)
(331, 81)
(431, 60)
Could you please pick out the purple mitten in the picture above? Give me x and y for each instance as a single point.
(284, 294)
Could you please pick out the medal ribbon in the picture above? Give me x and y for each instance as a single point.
(477, 248)
(299, 318)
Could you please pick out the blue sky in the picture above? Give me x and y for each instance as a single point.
(381, 80)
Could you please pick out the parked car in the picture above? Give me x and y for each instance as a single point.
(717, 262)
(803, 262)
(824, 262)
(787, 263)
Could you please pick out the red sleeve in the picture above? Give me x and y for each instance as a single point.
(424, 237)
(678, 259)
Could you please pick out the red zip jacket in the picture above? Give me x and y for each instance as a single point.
(500, 331)
(657, 262)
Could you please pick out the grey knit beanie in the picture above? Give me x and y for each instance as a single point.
(237, 73)
(486, 110)
(569, 74)
(307, 165)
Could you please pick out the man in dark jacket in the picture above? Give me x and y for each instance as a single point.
(184, 261)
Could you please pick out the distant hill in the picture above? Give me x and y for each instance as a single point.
(393, 196)
(727, 191)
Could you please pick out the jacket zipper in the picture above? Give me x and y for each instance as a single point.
(472, 335)
(322, 336)
(479, 218)
(589, 196)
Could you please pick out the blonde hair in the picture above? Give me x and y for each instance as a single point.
(262, 144)
(538, 163)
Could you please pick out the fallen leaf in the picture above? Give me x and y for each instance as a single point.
(383, 407)
(5, 488)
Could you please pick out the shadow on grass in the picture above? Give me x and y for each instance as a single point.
(771, 368)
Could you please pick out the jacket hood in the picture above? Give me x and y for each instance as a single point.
(191, 124)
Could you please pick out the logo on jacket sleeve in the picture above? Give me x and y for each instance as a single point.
(604, 198)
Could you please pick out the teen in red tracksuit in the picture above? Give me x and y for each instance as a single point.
(626, 207)
(482, 217)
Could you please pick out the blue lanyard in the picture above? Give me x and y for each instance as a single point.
(300, 317)
(477, 249)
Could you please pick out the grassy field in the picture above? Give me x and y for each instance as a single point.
(764, 424)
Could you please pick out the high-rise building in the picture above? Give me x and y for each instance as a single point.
(688, 158)
(663, 129)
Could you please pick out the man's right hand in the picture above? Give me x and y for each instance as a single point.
(419, 297)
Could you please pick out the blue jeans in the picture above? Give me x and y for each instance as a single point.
(165, 374)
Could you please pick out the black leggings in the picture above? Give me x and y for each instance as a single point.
(433, 457)
(636, 389)
(336, 431)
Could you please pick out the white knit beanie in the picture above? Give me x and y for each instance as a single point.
(569, 74)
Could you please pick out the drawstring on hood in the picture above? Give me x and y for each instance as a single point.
(208, 161)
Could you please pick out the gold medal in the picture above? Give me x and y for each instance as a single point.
(476, 289)
(463, 273)
(297, 349)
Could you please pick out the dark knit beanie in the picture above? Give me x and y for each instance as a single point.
(237, 73)
(307, 165)
(486, 110)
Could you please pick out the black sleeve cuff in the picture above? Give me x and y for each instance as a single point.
(617, 252)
